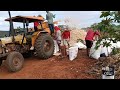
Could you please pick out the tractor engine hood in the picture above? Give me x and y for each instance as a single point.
(7, 40)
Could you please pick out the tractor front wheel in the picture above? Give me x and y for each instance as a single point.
(14, 61)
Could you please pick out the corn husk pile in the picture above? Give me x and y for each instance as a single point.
(76, 34)
(113, 60)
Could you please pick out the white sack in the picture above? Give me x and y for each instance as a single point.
(80, 45)
(118, 44)
(56, 48)
(73, 51)
(93, 52)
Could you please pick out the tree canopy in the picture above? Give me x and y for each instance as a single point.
(109, 27)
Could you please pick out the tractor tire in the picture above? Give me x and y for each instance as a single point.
(14, 61)
(44, 46)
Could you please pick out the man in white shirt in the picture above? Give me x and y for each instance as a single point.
(58, 34)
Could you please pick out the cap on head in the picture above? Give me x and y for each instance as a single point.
(55, 25)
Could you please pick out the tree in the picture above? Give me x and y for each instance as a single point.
(107, 27)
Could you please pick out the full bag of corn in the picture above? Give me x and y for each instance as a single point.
(73, 51)
(95, 53)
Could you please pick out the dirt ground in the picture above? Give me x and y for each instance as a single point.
(52, 68)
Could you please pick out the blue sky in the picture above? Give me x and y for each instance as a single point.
(77, 18)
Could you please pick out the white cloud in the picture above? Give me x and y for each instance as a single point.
(82, 18)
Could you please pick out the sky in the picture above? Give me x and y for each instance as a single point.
(80, 19)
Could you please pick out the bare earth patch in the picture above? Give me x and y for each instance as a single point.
(52, 68)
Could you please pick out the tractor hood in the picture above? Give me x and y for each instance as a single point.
(7, 40)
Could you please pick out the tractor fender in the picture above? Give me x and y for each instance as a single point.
(38, 33)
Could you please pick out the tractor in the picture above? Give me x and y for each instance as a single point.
(17, 44)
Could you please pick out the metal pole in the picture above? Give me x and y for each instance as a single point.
(24, 31)
(12, 31)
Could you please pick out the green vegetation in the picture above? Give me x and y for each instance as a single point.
(108, 27)
(4, 33)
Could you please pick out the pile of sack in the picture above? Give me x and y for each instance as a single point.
(72, 51)
(80, 45)
(106, 50)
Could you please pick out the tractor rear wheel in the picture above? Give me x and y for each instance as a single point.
(44, 46)
(14, 61)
